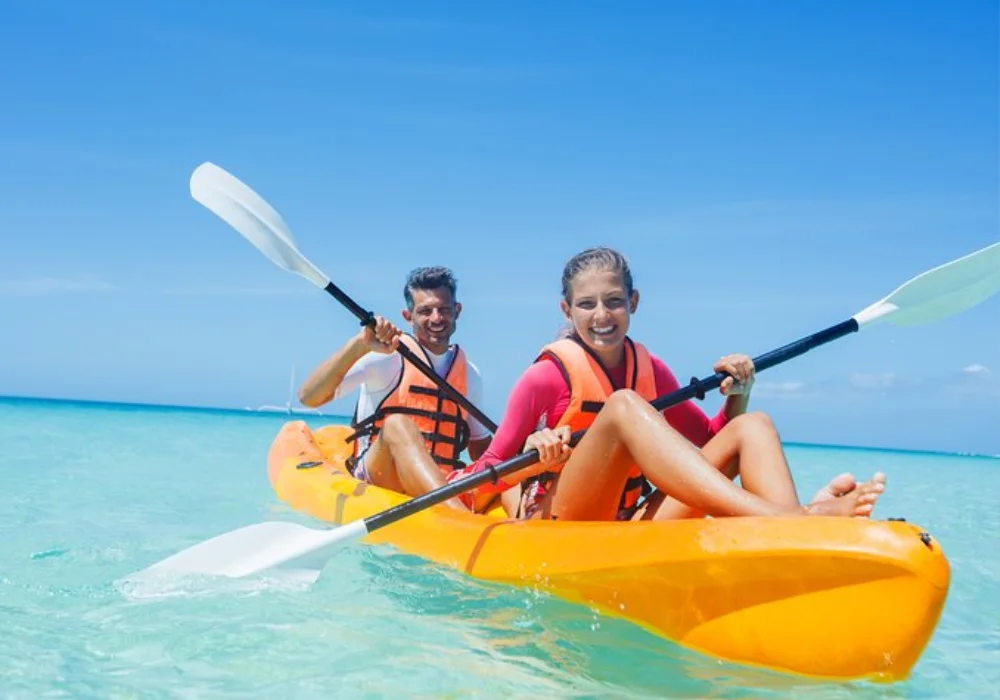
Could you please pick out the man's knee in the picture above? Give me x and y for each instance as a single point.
(398, 428)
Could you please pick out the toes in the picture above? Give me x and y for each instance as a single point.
(876, 485)
(838, 486)
(842, 483)
(863, 509)
(868, 493)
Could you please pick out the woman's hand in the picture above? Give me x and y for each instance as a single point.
(741, 374)
(553, 450)
(383, 338)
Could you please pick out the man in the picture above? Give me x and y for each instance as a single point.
(408, 433)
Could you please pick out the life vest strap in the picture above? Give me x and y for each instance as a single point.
(365, 427)
(427, 391)
(368, 428)
(453, 463)
(457, 440)
(439, 416)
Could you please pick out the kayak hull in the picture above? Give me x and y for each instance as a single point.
(829, 598)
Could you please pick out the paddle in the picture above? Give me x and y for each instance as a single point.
(247, 212)
(933, 295)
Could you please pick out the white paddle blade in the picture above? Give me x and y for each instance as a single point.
(210, 175)
(940, 292)
(257, 548)
(243, 209)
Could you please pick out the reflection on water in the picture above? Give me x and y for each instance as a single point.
(571, 643)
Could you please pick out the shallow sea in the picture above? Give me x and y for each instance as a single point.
(94, 492)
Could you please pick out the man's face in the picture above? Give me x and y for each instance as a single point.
(433, 318)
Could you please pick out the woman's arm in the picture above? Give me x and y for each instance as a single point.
(687, 418)
(538, 399)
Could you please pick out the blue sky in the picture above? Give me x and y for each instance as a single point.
(770, 168)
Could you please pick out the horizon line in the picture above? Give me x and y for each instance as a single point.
(345, 419)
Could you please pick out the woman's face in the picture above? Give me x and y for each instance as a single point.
(600, 309)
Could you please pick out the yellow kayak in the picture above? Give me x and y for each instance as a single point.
(830, 598)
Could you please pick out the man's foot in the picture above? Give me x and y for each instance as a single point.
(856, 503)
(838, 486)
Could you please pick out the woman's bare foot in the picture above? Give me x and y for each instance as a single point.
(838, 486)
(856, 503)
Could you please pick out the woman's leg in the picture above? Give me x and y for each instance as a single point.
(628, 429)
(398, 460)
(749, 447)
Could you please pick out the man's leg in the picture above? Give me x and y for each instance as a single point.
(398, 460)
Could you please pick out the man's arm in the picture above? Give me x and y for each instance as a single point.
(322, 384)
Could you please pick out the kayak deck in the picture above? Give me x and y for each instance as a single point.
(834, 598)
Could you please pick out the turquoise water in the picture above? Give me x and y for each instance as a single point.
(94, 492)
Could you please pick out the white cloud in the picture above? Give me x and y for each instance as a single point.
(42, 286)
(975, 379)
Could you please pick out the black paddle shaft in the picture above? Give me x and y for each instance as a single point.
(367, 318)
(696, 389)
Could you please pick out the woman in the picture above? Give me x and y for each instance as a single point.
(599, 378)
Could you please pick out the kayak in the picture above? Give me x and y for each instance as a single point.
(823, 597)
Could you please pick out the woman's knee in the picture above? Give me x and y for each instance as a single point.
(755, 422)
(624, 403)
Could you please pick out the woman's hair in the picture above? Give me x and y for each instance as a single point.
(600, 258)
(566, 330)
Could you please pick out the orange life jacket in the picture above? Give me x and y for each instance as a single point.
(442, 422)
(590, 386)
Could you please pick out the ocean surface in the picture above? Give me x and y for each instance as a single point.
(94, 492)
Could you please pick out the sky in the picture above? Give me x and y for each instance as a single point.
(769, 168)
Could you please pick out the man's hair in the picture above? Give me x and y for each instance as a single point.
(426, 279)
